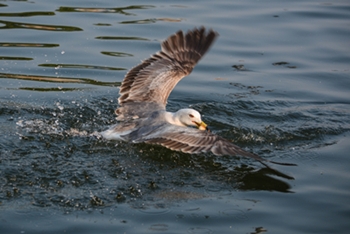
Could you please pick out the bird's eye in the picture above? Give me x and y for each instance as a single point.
(191, 116)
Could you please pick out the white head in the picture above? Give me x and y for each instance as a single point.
(190, 117)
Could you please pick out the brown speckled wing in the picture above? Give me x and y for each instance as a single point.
(194, 141)
(154, 79)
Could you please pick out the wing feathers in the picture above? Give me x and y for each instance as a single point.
(194, 141)
(155, 78)
(146, 88)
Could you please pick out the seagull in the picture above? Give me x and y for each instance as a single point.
(142, 115)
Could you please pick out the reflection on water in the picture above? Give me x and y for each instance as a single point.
(21, 25)
(148, 21)
(121, 38)
(116, 54)
(119, 10)
(22, 44)
(6, 25)
(58, 79)
(14, 58)
(27, 14)
(58, 66)
(58, 89)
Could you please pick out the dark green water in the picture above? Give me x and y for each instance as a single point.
(276, 82)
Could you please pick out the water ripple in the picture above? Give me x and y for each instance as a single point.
(23, 44)
(19, 25)
(119, 10)
(57, 79)
(80, 66)
(27, 14)
(121, 38)
(152, 20)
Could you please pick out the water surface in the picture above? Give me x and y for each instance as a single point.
(276, 82)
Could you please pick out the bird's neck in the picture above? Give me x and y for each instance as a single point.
(173, 118)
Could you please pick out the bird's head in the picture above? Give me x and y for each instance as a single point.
(190, 117)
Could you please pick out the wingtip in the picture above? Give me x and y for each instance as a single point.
(283, 164)
(197, 39)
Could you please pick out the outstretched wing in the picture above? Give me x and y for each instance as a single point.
(154, 79)
(194, 141)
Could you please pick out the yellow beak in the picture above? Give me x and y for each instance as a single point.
(202, 126)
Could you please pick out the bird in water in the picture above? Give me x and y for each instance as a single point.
(142, 115)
